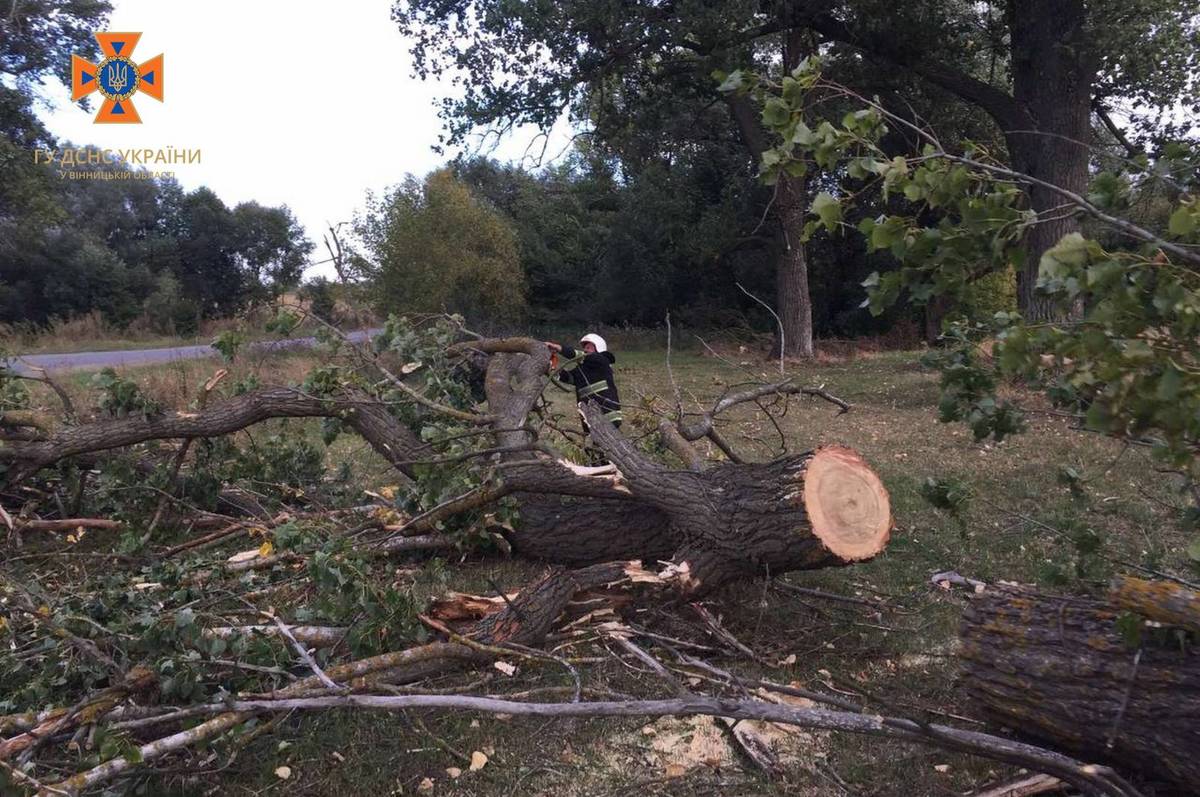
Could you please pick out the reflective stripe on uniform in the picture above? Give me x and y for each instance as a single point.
(593, 389)
(571, 364)
(614, 416)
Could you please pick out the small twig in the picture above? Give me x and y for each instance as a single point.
(651, 662)
(303, 652)
(778, 321)
(1112, 735)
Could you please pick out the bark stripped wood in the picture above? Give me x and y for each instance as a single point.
(67, 524)
(1058, 669)
(1090, 778)
(1026, 786)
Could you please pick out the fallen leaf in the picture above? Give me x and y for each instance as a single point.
(942, 767)
(478, 761)
(243, 556)
(425, 785)
(791, 659)
(283, 773)
(454, 772)
(675, 770)
(505, 667)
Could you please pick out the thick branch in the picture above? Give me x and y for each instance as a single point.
(359, 410)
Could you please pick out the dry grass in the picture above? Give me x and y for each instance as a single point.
(92, 332)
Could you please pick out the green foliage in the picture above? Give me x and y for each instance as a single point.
(322, 300)
(169, 312)
(121, 397)
(441, 250)
(1124, 360)
(13, 393)
(228, 343)
(951, 495)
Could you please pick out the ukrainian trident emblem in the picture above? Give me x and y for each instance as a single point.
(117, 78)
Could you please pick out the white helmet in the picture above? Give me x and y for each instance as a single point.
(595, 340)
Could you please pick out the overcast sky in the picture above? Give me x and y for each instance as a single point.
(292, 102)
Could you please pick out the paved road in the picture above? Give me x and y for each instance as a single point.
(94, 360)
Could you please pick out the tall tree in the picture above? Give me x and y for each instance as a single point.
(1037, 68)
(640, 74)
(439, 249)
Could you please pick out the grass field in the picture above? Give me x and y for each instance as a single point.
(896, 654)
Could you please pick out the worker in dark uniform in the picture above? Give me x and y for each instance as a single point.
(589, 369)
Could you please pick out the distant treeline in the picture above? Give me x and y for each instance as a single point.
(128, 247)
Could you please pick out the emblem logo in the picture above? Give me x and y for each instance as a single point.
(118, 77)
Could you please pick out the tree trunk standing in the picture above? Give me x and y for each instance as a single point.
(793, 303)
(1053, 74)
(1057, 668)
(791, 272)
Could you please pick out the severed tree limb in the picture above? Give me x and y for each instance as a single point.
(67, 524)
(181, 454)
(91, 708)
(1088, 777)
(302, 651)
(359, 410)
(356, 674)
(1161, 601)
(679, 445)
(68, 406)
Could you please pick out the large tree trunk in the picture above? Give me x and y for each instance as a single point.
(792, 298)
(823, 508)
(1053, 72)
(1057, 668)
(791, 272)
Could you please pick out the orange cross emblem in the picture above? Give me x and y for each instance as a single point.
(117, 77)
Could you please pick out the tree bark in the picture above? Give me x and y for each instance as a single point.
(1056, 668)
(792, 297)
(791, 272)
(822, 508)
(1045, 120)
(1053, 73)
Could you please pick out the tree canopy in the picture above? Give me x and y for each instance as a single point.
(435, 248)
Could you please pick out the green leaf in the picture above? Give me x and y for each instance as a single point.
(1129, 628)
(731, 82)
(826, 207)
(1193, 550)
(1182, 222)
(776, 113)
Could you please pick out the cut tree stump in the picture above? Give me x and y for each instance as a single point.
(1060, 670)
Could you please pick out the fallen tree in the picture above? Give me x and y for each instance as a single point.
(639, 530)
(817, 509)
(1090, 676)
